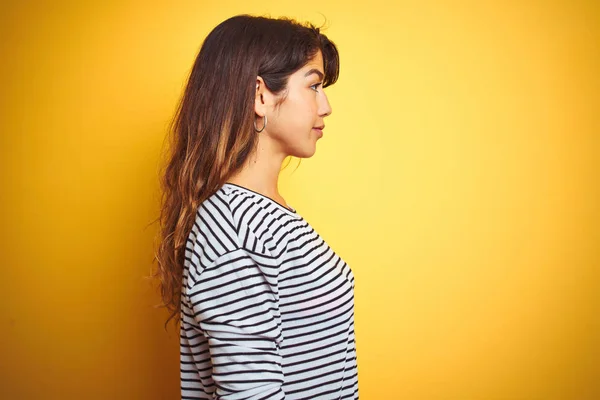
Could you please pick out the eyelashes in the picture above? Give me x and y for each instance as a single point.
(316, 85)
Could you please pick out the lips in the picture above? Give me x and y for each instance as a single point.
(319, 130)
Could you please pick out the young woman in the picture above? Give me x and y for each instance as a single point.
(266, 308)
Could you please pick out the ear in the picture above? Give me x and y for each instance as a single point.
(263, 97)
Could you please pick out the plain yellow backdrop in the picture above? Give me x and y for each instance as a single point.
(458, 176)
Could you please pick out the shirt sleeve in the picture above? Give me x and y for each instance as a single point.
(235, 302)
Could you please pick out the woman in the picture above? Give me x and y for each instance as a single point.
(266, 307)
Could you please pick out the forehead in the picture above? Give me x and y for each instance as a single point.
(316, 62)
(307, 71)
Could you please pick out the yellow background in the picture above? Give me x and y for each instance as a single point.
(458, 176)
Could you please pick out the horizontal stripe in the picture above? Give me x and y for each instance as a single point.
(267, 307)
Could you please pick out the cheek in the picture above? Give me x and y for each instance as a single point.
(298, 114)
(306, 109)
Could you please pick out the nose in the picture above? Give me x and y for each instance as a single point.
(324, 106)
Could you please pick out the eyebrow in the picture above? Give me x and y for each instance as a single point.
(315, 71)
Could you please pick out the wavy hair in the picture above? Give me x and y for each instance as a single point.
(212, 132)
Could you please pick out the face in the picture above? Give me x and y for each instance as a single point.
(291, 126)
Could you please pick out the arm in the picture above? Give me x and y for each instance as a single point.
(236, 304)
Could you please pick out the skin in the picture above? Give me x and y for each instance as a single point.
(289, 130)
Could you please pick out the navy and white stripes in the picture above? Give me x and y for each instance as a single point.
(267, 307)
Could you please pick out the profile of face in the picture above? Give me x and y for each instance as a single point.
(290, 129)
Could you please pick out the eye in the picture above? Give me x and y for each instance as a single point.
(316, 85)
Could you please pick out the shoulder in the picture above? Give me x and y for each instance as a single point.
(229, 219)
(246, 209)
(228, 207)
(225, 225)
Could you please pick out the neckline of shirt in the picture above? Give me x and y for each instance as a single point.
(289, 210)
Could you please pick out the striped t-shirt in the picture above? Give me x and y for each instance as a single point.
(267, 307)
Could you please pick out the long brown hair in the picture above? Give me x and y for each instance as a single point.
(212, 133)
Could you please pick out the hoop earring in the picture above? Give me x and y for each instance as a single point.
(264, 125)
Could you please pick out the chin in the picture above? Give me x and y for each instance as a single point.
(308, 152)
(304, 152)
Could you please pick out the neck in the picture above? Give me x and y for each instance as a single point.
(261, 171)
